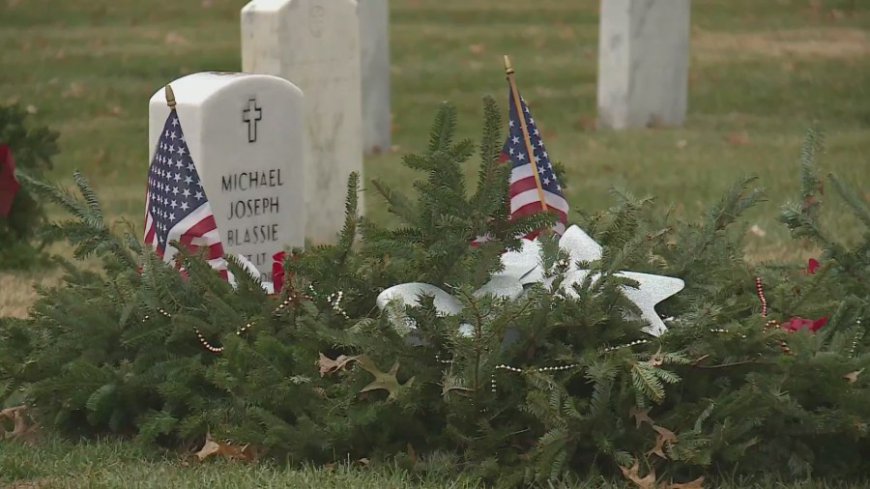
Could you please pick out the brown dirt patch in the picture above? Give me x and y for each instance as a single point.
(824, 43)
(17, 294)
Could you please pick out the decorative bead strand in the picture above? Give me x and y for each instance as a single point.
(724, 331)
(854, 346)
(509, 368)
(493, 386)
(558, 368)
(284, 304)
(759, 289)
(443, 362)
(334, 300)
(219, 349)
(627, 345)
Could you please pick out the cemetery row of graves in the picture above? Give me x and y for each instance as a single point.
(493, 330)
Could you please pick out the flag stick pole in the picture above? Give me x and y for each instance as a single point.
(509, 71)
(170, 97)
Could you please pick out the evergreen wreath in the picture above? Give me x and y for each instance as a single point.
(578, 389)
(32, 147)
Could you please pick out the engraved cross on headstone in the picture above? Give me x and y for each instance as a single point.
(252, 119)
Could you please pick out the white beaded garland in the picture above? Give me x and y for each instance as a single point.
(334, 300)
(558, 368)
(219, 349)
(627, 345)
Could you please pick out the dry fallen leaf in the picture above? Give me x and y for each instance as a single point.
(665, 436)
(695, 484)
(566, 32)
(23, 429)
(453, 384)
(648, 482)
(212, 448)
(658, 359)
(852, 377)
(175, 39)
(587, 123)
(383, 380)
(640, 416)
(700, 359)
(477, 48)
(739, 138)
(75, 90)
(328, 365)
(412, 454)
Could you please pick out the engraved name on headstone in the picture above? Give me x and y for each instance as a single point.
(315, 45)
(246, 137)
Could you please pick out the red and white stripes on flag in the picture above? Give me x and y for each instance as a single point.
(525, 199)
(177, 208)
(524, 194)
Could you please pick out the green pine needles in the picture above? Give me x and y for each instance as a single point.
(32, 148)
(538, 389)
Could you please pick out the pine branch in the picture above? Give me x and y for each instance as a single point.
(351, 217)
(443, 128)
(398, 203)
(859, 207)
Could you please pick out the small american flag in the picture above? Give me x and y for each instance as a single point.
(176, 206)
(524, 195)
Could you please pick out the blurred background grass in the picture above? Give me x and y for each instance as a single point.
(762, 72)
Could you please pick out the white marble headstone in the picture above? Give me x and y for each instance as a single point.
(246, 138)
(643, 63)
(315, 44)
(374, 33)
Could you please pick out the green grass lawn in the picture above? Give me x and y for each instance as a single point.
(762, 72)
(108, 464)
(122, 465)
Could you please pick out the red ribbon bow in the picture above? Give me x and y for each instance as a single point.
(798, 323)
(9, 185)
(278, 270)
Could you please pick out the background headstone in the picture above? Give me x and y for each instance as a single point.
(374, 33)
(315, 44)
(643, 63)
(246, 137)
